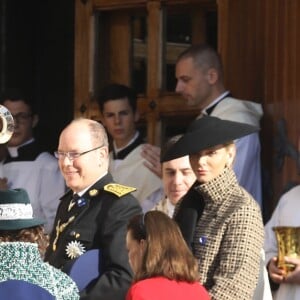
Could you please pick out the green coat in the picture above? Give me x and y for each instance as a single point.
(22, 261)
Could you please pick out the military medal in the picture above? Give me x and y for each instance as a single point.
(74, 249)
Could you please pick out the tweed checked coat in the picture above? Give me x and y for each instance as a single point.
(227, 236)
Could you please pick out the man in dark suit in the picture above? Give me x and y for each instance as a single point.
(94, 213)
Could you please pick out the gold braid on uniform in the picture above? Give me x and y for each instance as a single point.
(60, 229)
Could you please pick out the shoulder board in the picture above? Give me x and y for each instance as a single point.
(118, 189)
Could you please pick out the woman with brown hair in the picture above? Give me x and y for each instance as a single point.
(163, 265)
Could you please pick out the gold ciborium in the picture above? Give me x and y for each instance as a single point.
(288, 242)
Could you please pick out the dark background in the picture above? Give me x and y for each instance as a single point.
(37, 56)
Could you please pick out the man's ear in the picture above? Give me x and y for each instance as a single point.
(212, 76)
(35, 120)
(104, 152)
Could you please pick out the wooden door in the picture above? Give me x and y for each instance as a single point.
(136, 43)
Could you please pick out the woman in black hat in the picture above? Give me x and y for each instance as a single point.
(219, 220)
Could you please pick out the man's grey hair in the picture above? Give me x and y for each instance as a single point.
(97, 131)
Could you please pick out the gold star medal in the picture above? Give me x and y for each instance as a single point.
(74, 249)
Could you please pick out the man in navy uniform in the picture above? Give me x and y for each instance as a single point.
(94, 213)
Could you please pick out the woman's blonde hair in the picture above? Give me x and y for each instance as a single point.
(166, 253)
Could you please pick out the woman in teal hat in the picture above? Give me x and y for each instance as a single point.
(22, 246)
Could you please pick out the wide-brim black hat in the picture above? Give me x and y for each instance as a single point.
(207, 132)
(16, 211)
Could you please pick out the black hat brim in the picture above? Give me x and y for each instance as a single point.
(207, 132)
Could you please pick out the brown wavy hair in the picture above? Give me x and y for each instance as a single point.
(30, 235)
(166, 253)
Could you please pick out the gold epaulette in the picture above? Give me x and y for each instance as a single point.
(118, 189)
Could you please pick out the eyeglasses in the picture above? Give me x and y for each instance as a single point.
(72, 155)
(22, 117)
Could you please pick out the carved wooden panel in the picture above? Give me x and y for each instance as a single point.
(281, 84)
(259, 45)
(115, 51)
